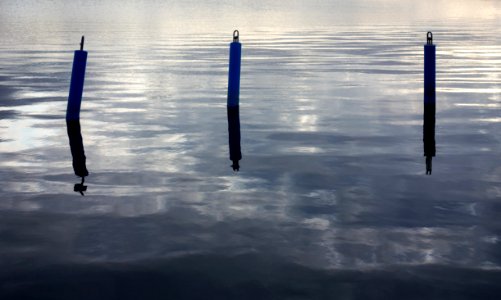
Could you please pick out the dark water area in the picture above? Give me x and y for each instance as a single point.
(331, 199)
(246, 277)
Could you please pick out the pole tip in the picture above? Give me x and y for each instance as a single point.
(82, 43)
(429, 38)
(236, 34)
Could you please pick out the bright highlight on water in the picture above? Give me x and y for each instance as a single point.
(332, 127)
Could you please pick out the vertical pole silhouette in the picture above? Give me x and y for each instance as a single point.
(233, 103)
(73, 117)
(429, 102)
(234, 70)
(77, 83)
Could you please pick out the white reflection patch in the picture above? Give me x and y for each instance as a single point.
(305, 149)
(39, 94)
(317, 223)
(429, 256)
(307, 123)
(488, 120)
(22, 134)
(486, 105)
(491, 239)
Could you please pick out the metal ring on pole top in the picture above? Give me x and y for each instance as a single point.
(429, 38)
(82, 43)
(235, 35)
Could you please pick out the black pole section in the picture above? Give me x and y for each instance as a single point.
(77, 153)
(429, 147)
(234, 136)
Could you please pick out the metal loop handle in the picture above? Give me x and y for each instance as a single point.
(429, 38)
(236, 34)
(82, 43)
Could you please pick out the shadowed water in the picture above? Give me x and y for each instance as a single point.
(332, 196)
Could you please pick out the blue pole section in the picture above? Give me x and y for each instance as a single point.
(429, 70)
(77, 83)
(234, 71)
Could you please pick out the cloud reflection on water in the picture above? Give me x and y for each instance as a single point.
(332, 116)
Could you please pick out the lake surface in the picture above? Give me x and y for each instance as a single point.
(332, 199)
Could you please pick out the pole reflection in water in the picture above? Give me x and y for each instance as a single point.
(429, 133)
(234, 136)
(78, 153)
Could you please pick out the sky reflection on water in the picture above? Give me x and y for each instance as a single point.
(332, 175)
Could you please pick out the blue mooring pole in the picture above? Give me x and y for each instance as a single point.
(429, 69)
(77, 83)
(234, 71)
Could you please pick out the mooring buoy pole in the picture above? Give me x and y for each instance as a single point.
(233, 108)
(429, 102)
(77, 83)
(73, 116)
(234, 71)
(429, 68)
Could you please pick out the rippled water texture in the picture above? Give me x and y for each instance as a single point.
(331, 197)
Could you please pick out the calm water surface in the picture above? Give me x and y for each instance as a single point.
(331, 198)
